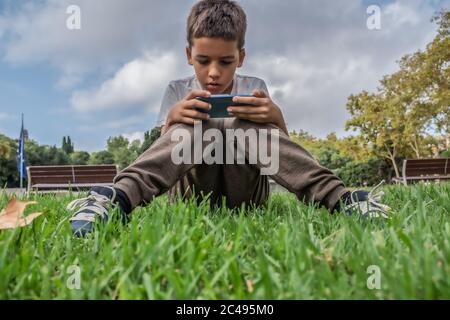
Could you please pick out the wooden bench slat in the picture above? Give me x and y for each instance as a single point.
(43, 168)
(61, 173)
(425, 169)
(74, 185)
(70, 176)
(71, 179)
(424, 172)
(75, 166)
(428, 177)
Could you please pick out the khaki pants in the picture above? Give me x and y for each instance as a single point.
(155, 173)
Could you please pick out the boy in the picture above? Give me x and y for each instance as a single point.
(216, 36)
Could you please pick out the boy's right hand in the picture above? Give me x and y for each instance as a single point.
(185, 110)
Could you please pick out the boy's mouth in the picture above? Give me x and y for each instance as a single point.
(213, 86)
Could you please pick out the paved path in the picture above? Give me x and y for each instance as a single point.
(19, 192)
(274, 187)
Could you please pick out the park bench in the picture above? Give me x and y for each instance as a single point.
(74, 177)
(424, 170)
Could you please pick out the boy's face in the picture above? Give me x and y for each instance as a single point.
(215, 61)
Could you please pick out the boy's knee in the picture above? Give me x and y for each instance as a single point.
(236, 123)
(179, 126)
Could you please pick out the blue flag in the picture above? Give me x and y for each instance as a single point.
(21, 153)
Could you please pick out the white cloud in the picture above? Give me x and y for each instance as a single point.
(4, 116)
(323, 52)
(313, 96)
(138, 135)
(112, 32)
(312, 54)
(125, 123)
(402, 12)
(136, 83)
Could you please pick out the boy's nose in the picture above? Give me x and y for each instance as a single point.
(214, 73)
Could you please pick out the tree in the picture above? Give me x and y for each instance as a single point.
(35, 154)
(306, 140)
(9, 175)
(381, 123)
(434, 75)
(5, 147)
(355, 147)
(67, 145)
(350, 158)
(150, 138)
(410, 105)
(101, 157)
(122, 151)
(79, 157)
(44, 155)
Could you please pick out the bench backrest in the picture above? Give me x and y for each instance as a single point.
(71, 174)
(424, 167)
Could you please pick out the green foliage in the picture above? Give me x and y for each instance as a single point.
(79, 158)
(445, 154)
(67, 145)
(404, 118)
(364, 173)
(122, 151)
(9, 175)
(288, 250)
(149, 138)
(119, 151)
(349, 158)
(101, 157)
(37, 155)
(5, 147)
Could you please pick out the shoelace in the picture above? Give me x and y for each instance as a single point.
(372, 206)
(96, 202)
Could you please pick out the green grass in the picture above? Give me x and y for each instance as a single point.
(184, 251)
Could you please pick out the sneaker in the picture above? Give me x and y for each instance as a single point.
(368, 204)
(97, 203)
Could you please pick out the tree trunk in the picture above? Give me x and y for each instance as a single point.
(415, 146)
(392, 158)
(394, 164)
(415, 149)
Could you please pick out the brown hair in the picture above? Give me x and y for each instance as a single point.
(217, 19)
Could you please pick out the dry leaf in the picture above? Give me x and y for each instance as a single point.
(249, 285)
(12, 216)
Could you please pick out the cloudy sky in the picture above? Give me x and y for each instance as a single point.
(108, 78)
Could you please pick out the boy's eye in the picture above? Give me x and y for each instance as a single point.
(205, 62)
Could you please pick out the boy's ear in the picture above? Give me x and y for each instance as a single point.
(189, 55)
(241, 57)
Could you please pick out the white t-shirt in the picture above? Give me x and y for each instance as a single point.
(178, 89)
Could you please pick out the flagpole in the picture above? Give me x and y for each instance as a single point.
(21, 158)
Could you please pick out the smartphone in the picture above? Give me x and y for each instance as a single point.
(219, 104)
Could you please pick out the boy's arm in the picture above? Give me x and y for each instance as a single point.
(185, 111)
(164, 129)
(263, 111)
(178, 109)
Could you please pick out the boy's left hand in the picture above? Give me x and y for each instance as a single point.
(264, 110)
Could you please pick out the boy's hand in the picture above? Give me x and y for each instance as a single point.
(264, 110)
(184, 111)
